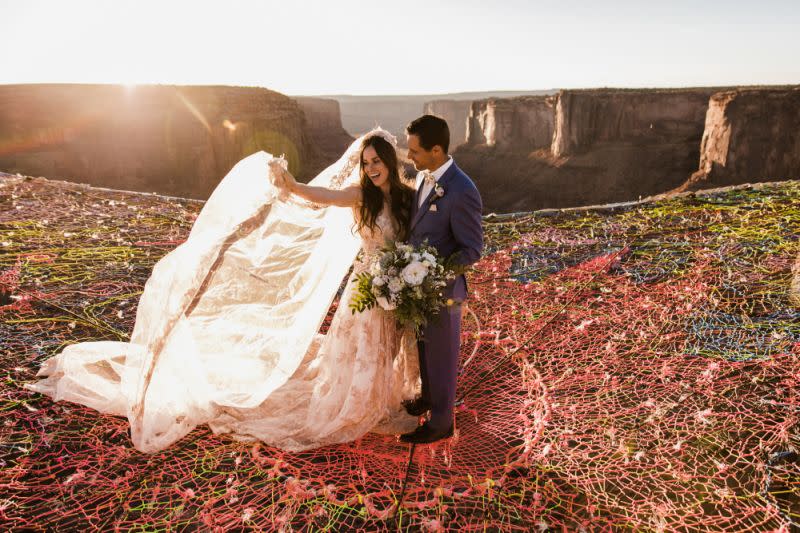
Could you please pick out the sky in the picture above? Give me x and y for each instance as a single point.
(408, 47)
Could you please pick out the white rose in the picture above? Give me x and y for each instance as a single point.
(385, 304)
(395, 285)
(415, 257)
(428, 257)
(414, 273)
(378, 281)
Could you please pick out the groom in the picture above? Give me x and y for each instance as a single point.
(446, 213)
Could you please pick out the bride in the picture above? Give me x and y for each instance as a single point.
(226, 328)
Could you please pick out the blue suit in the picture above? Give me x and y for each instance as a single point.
(452, 227)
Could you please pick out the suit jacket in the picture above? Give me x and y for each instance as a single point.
(453, 226)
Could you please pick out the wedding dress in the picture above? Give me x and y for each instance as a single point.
(226, 328)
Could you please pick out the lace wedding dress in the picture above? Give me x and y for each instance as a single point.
(226, 328)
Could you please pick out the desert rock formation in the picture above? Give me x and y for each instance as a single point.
(176, 140)
(525, 152)
(587, 118)
(750, 135)
(524, 123)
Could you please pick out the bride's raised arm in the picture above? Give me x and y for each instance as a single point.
(347, 197)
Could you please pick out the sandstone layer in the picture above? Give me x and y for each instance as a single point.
(524, 123)
(587, 118)
(750, 135)
(175, 140)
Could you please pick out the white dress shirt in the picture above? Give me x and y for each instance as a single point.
(426, 188)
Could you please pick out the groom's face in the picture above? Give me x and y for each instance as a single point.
(423, 159)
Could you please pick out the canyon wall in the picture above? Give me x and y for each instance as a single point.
(750, 135)
(579, 147)
(176, 140)
(524, 123)
(586, 118)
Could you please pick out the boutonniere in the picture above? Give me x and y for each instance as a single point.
(439, 190)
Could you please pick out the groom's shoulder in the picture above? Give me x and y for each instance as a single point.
(463, 180)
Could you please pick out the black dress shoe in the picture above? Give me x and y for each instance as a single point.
(416, 407)
(424, 434)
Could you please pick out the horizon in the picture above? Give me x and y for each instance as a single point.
(512, 46)
(553, 90)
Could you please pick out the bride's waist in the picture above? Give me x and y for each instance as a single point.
(366, 257)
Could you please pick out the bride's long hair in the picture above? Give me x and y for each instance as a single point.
(401, 194)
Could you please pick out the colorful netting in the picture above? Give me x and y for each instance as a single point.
(630, 369)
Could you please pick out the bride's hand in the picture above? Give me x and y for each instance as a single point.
(283, 178)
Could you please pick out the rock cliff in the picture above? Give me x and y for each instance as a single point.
(750, 135)
(524, 123)
(176, 140)
(586, 118)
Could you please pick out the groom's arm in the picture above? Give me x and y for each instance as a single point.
(467, 227)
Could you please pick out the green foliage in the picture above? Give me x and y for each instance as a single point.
(363, 298)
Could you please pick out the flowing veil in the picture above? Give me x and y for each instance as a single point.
(227, 316)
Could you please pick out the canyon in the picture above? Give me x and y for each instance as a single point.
(527, 151)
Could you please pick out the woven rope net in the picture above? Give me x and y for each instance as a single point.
(634, 368)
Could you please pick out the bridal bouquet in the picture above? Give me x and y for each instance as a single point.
(405, 280)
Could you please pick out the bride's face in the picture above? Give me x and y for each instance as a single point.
(374, 168)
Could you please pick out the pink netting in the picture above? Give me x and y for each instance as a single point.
(630, 369)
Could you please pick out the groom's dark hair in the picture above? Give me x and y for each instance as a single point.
(431, 131)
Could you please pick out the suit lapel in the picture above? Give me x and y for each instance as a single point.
(420, 212)
(415, 207)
